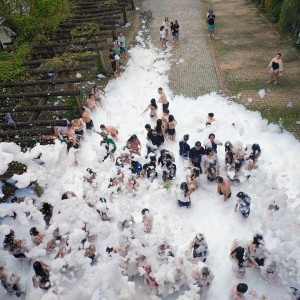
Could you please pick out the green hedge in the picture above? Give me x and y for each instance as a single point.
(284, 12)
(32, 21)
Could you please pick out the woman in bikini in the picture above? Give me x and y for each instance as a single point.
(153, 109)
(171, 128)
(160, 129)
(275, 68)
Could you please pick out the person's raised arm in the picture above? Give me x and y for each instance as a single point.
(146, 109)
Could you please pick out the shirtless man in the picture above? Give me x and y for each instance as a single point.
(147, 220)
(89, 125)
(61, 131)
(210, 118)
(113, 131)
(91, 102)
(71, 141)
(224, 187)
(163, 99)
(10, 281)
(238, 291)
(78, 126)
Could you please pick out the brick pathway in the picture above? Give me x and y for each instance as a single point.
(196, 75)
(244, 44)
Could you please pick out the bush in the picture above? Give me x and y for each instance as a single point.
(275, 12)
(289, 17)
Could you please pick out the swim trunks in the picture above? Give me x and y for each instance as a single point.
(89, 125)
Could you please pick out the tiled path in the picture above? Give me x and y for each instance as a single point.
(192, 72)
(243, 46)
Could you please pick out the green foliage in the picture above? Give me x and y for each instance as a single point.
(11, 63)
(44, 16)
(89, 28)
(32, 21)
(285, 12)
(37, 188)
(14, 167)
(110, 2)
(273, 9)
(289, 16)
(275, 12)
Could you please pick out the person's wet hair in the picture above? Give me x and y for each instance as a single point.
(257, 240)
(145, 210)
(219, 179)
(40, 271)
(33, 231)
(171, 118)
(184, 186)
(242, 288)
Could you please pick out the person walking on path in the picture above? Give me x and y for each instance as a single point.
(162, 37)
(117, 54)
(275, 68)
(173, 32)
(211, 23)
(176, 30)
(113, 62)
(166, 24)
(122, 43)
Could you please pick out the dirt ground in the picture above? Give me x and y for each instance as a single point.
(244, 44)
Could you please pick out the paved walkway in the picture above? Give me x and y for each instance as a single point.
(244, 44)
(196, 74)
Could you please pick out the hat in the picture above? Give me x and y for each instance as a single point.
(198, 144)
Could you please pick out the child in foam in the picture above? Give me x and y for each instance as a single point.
(147, 220)
(241, 259)
(224, 187)
(198, 248)
(11, 282)
(243, 204)
(183, 195)
(203, 277)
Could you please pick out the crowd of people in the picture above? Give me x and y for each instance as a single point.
(164, 30)
(139, 256)
(134, 251)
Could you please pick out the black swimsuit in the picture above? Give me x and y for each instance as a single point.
(275, 65)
